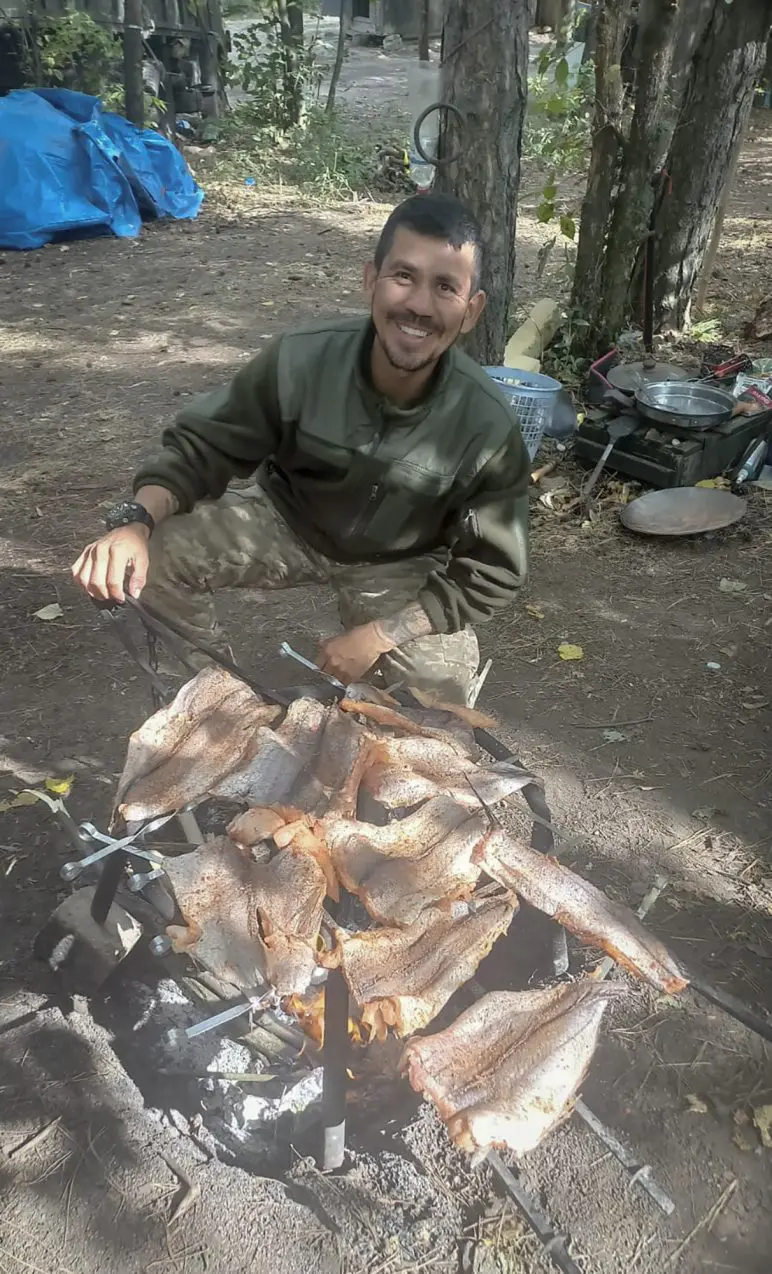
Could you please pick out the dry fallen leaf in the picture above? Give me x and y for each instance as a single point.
(568, 651)
(762, 1118)
(695, 1105)
(52, 611)
(534, 612)
(731, 586)
(60, 787)
(16, 802)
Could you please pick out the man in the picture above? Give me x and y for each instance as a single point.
(388, 465)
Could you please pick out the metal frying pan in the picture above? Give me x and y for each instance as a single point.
(682, 511)
(684, 404)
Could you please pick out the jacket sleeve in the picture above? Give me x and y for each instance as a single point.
(488, 560)
(219, 436)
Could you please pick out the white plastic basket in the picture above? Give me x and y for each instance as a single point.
(533, 397)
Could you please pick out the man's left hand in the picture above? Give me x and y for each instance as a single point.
(350, 655)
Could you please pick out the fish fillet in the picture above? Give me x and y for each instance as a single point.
(404, 772)
(280, 759)
(582, 908)
(286, 827)
(215, 887)
(182, 751)
(400, 721)
(255, 825)
(289, 892)
(468, 715)
(506, 1071)
(357, 848)
(401, 978)
(398, 889)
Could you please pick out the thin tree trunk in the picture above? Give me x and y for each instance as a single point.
(290, 18)
(643, 156)
(423, 31)
(587, 299)
(484, 74)
(132, 62)
(712, 121)
(345, 18)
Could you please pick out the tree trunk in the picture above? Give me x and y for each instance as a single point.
(714, 113)
(345, 18)
(587, 299)
(644, 153)
(484, 75)
(132, 62)
(423, 31)
(290, 17)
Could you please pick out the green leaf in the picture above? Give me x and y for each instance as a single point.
(549, 192)
(561, 73)
(568, 226)
(545, 212)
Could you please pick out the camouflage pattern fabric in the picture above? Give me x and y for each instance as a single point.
(242, 540)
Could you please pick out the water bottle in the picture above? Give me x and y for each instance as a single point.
(421, 173)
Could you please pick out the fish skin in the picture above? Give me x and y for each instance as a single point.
(356, 848)
(398, 890)
(255, 825)
(401, 786)
(182, 751)
(288, 896)
(402, 722)
(401, 978)
(507, 1070)
(581, 908)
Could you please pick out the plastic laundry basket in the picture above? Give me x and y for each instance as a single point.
(533, 397)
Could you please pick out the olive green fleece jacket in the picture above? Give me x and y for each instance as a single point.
(359, 479)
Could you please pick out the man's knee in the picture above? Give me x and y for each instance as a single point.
(444, 665)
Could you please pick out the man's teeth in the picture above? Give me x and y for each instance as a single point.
(412, 331)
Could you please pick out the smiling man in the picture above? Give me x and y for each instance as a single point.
(388, 465)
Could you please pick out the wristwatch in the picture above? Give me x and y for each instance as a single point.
(127, 512)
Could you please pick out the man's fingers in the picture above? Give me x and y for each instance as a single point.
(117, 565)
(138, 578)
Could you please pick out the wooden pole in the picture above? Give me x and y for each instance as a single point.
(132, 62)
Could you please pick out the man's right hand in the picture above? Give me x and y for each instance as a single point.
(103, 566)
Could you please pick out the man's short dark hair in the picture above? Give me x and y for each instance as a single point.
(436, 216)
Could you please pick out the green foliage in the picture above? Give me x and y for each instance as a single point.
(557, 125)
(280, 76)
(326, 157)
(75, 52)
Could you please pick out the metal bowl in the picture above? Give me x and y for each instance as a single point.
(684, 402)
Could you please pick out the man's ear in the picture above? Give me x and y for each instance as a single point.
(473, 311)
(371, 275)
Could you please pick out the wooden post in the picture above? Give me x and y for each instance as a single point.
(132, 62)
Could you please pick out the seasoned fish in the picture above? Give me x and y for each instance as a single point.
(286, 827)
(398, 889)
(506, 1071)
(280, 760)
(404, 772)
(468, 715)
(255, 825)
(339, 751)
(401, 978)
(181, 753)
(248, 922)
(215, 887)
(289, 892)
(357, 848)
(582, 908)
(402, 722)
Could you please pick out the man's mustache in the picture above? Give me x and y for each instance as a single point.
(412, 320)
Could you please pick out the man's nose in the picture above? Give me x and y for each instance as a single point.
(421, 299)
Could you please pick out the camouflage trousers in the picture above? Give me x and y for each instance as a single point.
(242, 541)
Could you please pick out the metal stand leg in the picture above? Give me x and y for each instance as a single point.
(335, 1059)
(107, 887)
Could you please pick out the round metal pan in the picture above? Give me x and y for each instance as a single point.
(682, 511)
(684, 404)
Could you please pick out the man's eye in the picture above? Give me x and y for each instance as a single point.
(448, 287)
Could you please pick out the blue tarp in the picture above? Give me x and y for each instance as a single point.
(68, 169)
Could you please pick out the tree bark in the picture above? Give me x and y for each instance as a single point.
(345, 18)
(132, 62)
(587, 298)
(290, 17)
(644, 153)
(713, 117)
(484, 75)
(423, 31)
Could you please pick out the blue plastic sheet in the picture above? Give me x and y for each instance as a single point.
(68, 168)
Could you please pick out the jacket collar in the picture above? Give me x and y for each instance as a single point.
(408, 415)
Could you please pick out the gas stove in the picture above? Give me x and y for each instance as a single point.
(661, 456)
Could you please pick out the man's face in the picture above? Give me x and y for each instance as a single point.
(423, 298)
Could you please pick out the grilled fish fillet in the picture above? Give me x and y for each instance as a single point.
(357, 848)
(248, 922)
(398, 889)
(401, 978)
(182, 751)
(404, 772)
(508, 1068)
(582, 908)
(405, 722)
(215, 888)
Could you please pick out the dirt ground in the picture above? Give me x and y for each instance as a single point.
(654, 748)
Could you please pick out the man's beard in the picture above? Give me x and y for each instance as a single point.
(415, 362)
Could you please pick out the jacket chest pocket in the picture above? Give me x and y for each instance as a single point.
(311, 456)
(408, 501)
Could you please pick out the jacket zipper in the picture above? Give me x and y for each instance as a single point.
(361, 521)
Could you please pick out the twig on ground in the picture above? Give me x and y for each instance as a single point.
(37, 1140)
(705, 1223)
(192, 1191)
